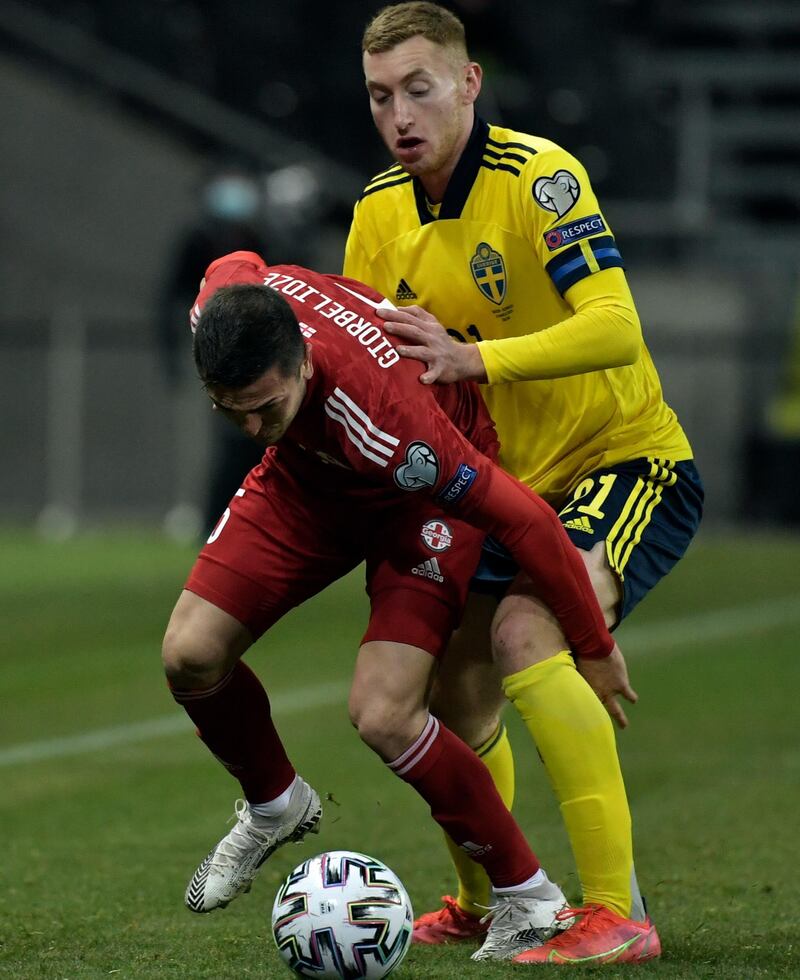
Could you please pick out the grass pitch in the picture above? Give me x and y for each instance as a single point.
(108, 801)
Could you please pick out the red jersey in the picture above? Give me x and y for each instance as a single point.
(367, 426)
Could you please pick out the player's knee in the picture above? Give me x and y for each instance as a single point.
(189, 660)
(523, 635)
(370, 719)
(507, 635)
(387, 727)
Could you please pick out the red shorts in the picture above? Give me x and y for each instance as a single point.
(283, 539)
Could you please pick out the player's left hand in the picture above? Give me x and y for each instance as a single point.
(445, 359)
(608, 678)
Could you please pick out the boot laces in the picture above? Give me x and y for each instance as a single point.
(588, 923)
(507, 917)
(240, 842)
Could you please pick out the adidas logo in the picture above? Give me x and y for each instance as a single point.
(404, 291)
(429, 569)
(580, 524)
(475, 850)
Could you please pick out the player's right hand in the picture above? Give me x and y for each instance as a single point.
(445, 359)
(608, 678)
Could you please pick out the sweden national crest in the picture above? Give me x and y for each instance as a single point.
(489, 272)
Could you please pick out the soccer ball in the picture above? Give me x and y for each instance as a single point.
(342, 914)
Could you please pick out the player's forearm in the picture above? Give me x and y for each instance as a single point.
(593, 339)
(533, 534)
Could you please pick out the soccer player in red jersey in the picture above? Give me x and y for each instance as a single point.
(361, 463)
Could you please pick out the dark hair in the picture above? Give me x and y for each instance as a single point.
(244, 331)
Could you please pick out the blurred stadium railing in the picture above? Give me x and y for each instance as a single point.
(106, 158)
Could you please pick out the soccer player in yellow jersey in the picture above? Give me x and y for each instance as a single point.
(498, 237)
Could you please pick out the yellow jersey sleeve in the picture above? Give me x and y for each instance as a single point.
(603, 332)
(568, 235)
(563, 222)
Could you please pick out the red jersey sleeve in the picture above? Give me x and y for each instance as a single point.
(401, 434)
(435, 456)
(534, 535)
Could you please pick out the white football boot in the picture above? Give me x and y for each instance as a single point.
(232, 865)
(521, 921)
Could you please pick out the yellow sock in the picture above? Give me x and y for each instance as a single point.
(575, 739)
(474, 888)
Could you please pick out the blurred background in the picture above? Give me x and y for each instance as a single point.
(140, 140)
(143, 139)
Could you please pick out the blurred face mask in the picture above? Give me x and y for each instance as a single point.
(232, 198)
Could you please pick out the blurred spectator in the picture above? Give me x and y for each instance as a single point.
(230, 218)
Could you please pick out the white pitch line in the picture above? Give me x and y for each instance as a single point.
(719, 624)
(664, 635)
(290, 702)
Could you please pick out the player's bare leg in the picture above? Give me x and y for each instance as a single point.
(563, 710)
(467, 692)
(526, 632)
(388, 701)
(388, 705)
(201, 653)
(468, 697)
(202, 643)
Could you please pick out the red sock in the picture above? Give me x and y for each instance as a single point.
(465, 803)
(233, 718)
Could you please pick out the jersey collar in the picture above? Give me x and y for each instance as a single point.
(460, 184)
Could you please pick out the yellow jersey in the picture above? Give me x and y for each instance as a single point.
(519, 258)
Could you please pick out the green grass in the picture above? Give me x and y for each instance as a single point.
(97, 846)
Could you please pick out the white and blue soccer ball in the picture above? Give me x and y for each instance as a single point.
(342, 914)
